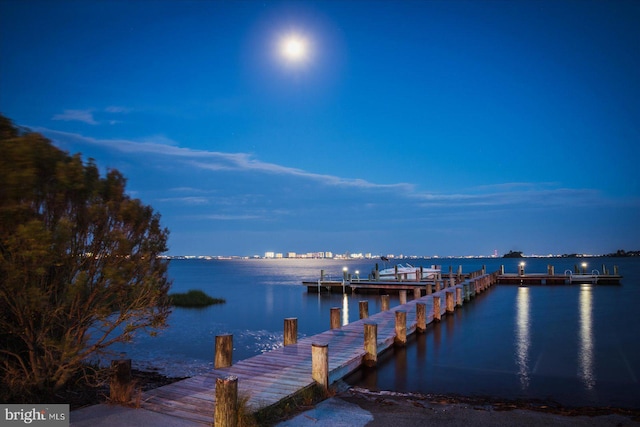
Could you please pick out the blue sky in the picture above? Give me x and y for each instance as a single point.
(417, 127)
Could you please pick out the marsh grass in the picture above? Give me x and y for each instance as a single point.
(194, 298)
(302, 401)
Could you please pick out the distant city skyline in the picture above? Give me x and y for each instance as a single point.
(436, 127)
(369, 255)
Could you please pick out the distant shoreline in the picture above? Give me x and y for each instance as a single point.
(632, 254)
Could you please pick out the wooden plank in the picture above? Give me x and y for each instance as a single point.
(270, 377)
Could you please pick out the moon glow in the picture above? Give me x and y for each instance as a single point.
(294, 48)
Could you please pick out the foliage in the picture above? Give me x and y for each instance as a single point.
(79, 265)
(623, 253)
(513, 254)
(194, 298)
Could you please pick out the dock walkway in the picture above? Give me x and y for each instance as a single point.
(271, 377)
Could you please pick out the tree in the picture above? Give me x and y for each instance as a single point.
(79, 264)
(513, 254)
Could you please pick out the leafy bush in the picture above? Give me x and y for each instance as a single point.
(194, 298)
(79, 265)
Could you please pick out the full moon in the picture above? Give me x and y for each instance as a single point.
(294, 48)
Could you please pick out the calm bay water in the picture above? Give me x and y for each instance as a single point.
(576, 344)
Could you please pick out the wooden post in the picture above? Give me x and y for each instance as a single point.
(449, 301)
(484, 269)
(437, 285)
(436, 308)
(120, 386)
(421, 317)
(370, 344)
(452, 281)
(550, 270)
(502, 270)
(460, 273)
(384, 302)
(322, 275)
(335, 317)
(467, 295)
(376, 273)
(615, 270)
(364, 309)
(401, 328)
(417, 293)
(459, 297)
(403, 296)
(226, 409)
(320, 364)
(290, 330)
(224, 351)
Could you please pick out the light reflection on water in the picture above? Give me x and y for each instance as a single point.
(585, 355)
(345, 309)
(541, 341)
(523, 339)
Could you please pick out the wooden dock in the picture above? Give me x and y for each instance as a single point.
(269, 378)
(557, 279)
(576, 276)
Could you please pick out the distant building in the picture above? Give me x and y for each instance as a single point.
(279, 255)
(269, 255)
(291, 255)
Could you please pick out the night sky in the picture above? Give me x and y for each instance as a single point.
(417, 127)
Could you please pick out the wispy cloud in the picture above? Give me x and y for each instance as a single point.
(88, 115)
(220, 161)
(221, 217)
(191, 200)
(532, 194)
(117, 109)
(84, 116)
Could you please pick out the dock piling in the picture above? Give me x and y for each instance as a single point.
(364, 309)
(384, 302)
(290, 330)
(320, 364)
(400, 339)
(370, 344)
(403, 296)
(226, 408)
(421, 317)
(335, 317)
(436, 308)
(224, 351)
(449, 301)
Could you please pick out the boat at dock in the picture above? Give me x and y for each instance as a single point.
(409, 272)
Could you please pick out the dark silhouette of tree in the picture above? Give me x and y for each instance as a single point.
(79, 265)
(513, 254)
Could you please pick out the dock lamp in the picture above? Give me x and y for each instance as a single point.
(344, 273)
(521, 269)
(584, 267)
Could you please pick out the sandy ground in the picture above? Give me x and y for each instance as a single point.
(359, 407)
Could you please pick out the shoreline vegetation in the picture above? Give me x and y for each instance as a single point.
(194, 299)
